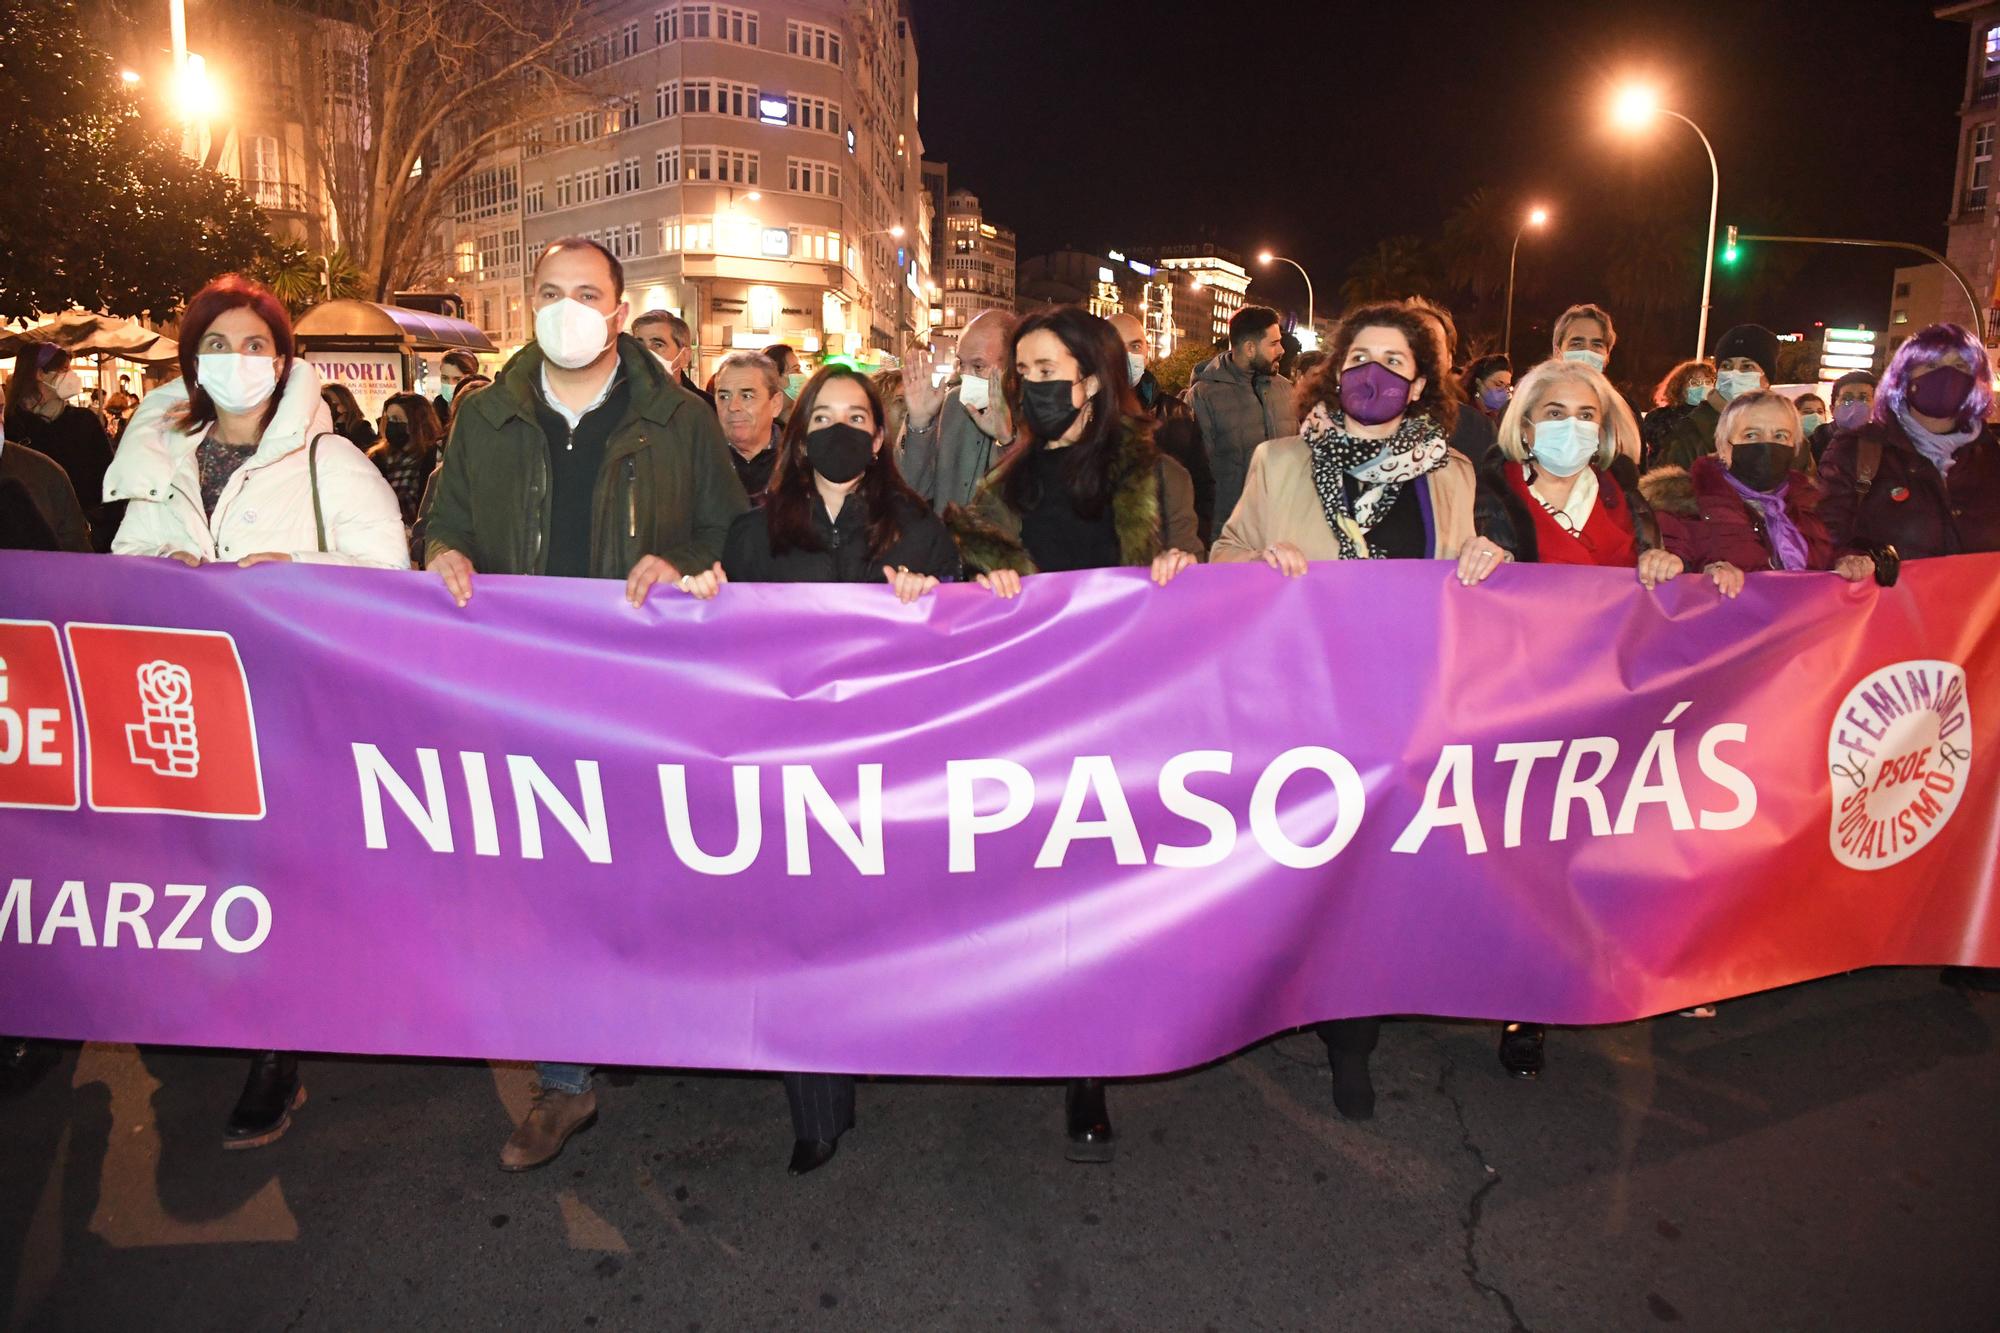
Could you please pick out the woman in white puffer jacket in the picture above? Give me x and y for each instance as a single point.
(238, 460)
(224, 465)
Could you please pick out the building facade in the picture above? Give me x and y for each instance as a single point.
(1218, 272)
(1922, 295)
(1974, 243)
(756, 168)
(1172, 305)
(975, 265)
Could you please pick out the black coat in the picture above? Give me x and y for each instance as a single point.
(1176, 435)
(75, 439)
(1909, 506)
(925, 547)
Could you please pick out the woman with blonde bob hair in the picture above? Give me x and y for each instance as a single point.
(1563, 489)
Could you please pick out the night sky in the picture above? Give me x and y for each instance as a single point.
(1319, 129)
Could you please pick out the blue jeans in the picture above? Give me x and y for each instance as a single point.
(572, 1079)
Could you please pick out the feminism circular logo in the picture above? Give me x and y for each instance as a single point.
(1899, 756)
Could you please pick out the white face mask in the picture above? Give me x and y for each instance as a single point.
(67, 385)
(570, 333)
(1566, 447)
(1584, 356)
(1135, 366)
(975, 392)
(1730, 383)
(235, 382)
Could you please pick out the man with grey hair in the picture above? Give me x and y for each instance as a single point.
(668, 337)
(749, 391)
(954, 439)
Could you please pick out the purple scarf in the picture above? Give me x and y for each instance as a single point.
(1787, 542)
(1941, 450)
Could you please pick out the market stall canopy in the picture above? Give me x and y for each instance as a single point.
(83, 333)
(368, 322)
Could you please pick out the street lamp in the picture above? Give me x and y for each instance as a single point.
(1537, 217)
(197, 96)
(1266, 259)
(1634, 109)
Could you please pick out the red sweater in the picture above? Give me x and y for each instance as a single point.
(1607, 537)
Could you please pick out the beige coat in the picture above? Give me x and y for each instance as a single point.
(1281, 504)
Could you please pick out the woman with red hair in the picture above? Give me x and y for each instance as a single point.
(237, 461)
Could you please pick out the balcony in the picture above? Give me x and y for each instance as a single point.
(277, 196)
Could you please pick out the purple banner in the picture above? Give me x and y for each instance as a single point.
(1106, 829)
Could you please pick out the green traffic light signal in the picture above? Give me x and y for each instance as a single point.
(1729, 250)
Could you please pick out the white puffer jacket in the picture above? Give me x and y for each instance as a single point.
(268, 504)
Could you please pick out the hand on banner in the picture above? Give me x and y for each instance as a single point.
(1002, 583)
(1167, 564)
(703, 586)
(1286, 558)
(908, 586)
(650, 570)
(1479, 559)
(922, 399)
(1659, 565)
(1855, 568)
(456, 571)
(188, 558)
(1727, 577)
(264, 558)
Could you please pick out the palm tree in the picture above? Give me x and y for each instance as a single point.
(1394, 269)
(301, 279)
(1472, 250)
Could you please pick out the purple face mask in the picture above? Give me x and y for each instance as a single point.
(1371, 393)
(1496, 397)
(1851, 415)
(1942, 393)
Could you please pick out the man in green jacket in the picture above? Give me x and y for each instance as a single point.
(582, 459)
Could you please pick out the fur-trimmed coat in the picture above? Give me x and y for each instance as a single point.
(1703, 520)
(1152, 511)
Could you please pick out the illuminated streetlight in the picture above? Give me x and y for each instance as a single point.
(128, 77)
(1266, 258)
(1537, 217)
(1634, 108)
(196, 96)
(897, 231)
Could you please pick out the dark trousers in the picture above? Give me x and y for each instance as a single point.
(1345, 1037)
(822, 1105)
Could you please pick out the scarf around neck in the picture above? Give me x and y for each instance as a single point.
(1383, 466)
(1787, 542)
(1941, 450)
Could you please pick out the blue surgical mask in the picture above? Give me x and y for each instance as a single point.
(1810, 422)
(1566, 447)
(794, 384)
(1732, 383)
(1697, 394)
(1584, 356)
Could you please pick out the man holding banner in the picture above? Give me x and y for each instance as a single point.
(629, 478)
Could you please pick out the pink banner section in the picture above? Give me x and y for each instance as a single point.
(1105, 829)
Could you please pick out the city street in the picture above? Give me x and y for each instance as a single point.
(1816, 1158)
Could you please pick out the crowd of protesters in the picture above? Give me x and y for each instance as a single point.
(593, 453)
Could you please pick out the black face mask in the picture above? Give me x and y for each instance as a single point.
(1761, 467)
(1047, 407)
(839, 452)
(397, 433)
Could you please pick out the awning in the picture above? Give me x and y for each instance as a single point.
(337, 322)
(85, 334)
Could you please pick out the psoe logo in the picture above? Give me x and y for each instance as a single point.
(1898, 757)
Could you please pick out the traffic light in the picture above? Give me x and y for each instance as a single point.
(1729, 250)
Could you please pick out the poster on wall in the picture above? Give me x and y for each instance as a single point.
(370, 376)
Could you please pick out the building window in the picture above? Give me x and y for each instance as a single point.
(1900, 317)
(814, 113)
(533, 199)
(1902, 290)
(631, 238)
(1989, 63)
(809, 177)
(812, 42)
(264, 170)
(563, 193)
(628, 113)
(488, 193)
(628, 41)
(701, 22)
(667, 166)
(1979, 170)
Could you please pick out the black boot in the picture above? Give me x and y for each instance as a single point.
(23, 1062)
(810, 1155)
(1349, 1043)
(1521, 1049)
(1090, 1136)
(264, 1112)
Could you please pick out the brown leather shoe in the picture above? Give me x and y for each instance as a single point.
(551, 1121)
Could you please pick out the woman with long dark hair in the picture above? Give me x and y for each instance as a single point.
(836, 511)
(41, 416)
(237, 461)
(1081, 487)
(408, 450)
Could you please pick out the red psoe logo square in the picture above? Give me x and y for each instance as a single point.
(38, 761)
(167, 722)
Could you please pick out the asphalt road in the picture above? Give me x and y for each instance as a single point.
(1817, 1158)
